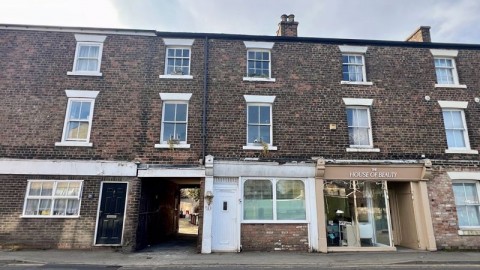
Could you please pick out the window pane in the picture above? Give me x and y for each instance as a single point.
(178, 52)
(170, 52)
(72, 207)
(73, 189)
(59, 207)
(75, 108)
(44, 207)
(169, 112)
(291, 200)
(61, 189)
(258, 200)
(251, 55)
(362, 118)
(253, 114)
(462, 216)
(168, 131)
(455, 138)
(92, 65)
(77, 130)
(253, 134)
(47, 188)
(471, 193)
(265, 134)
(181, 112)
(83, 51)
(358, 136)
(473, 215)
(181, 132)
(93, 52)
(82, 64)
(85, 110)
(265, 114)
(459, 193)
(31, 207)
(186, 53)
(35, 188)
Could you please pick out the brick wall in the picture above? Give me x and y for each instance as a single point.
(309, 97)
(444, 212)
(17, 232)
(127, 115)
(274, 237)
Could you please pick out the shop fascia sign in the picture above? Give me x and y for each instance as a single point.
(374, 173)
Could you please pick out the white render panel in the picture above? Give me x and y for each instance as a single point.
(259, 99)
(67, 167)
(464, 175)
(91, 38)
(176, 96)
(352, 49)
(178, 42)
(172, 172)
(448, 53)
(81, 94)
(258, 45)
(358, 101)
(263, 169)
(453, 104)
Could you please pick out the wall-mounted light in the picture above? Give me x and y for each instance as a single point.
(208, 198)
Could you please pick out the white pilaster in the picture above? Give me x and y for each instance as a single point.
(207, 209)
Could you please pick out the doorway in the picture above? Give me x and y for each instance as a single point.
(164, 223)
(111, 214)
(225, 216)
(404, 227)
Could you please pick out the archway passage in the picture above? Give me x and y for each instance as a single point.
(164, 224)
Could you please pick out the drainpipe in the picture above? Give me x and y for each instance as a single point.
(205, 97)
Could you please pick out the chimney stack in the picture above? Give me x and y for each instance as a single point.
(287, 26)
(421, 35)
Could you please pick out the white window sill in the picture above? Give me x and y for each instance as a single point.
(457, 151)
(184, 77)
(256, 79)
(175, 146)
(82, 144)
(450, 85)
(354, 149)
(258, 147)
(274, 221)
(469, 231)
(356, 83)
(40, 216)
(77, 73)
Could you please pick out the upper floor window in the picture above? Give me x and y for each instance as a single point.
(259, 61)
(78, 118)
(259, 122)
(47, 198)
(88, 55)
(274, 199)
(174, 120)
(177, 58)
(456, 127)
(445, 68)
(359, 125)
(353, 65)
(467, 202)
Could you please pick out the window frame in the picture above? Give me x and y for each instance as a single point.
(259, 46)
(79, 96)
(370, 135)
(451, 55)
(164, 140)
(477, 204)
(177, 43)
(88, 40)
(174, 98)
(174, 57)
(364, 73)
(457, 106)
(254, 100)
(270, 125)
(262, 61)
(355, 51)
(274, 181)
(52, 197)
(453, 70)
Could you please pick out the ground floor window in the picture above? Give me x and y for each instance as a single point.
(52, 198)
(274, 199)
(357, 213)
(468, 203)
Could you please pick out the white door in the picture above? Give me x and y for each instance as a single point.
(224, 222)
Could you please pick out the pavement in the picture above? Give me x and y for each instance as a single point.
(182, 252)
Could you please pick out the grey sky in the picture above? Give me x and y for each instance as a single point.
(456, 21)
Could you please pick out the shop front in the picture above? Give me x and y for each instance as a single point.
(373, 207)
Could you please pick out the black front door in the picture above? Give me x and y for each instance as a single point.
(110, 218)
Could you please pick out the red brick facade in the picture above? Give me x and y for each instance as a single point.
(406, 125)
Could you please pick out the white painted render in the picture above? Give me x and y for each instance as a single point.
(263, 169)
(172, 172)
(67, 167)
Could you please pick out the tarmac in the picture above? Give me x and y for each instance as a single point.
(182, 252)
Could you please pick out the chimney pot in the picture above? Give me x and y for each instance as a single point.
(287, 28)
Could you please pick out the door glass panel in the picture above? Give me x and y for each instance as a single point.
(356, 214)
